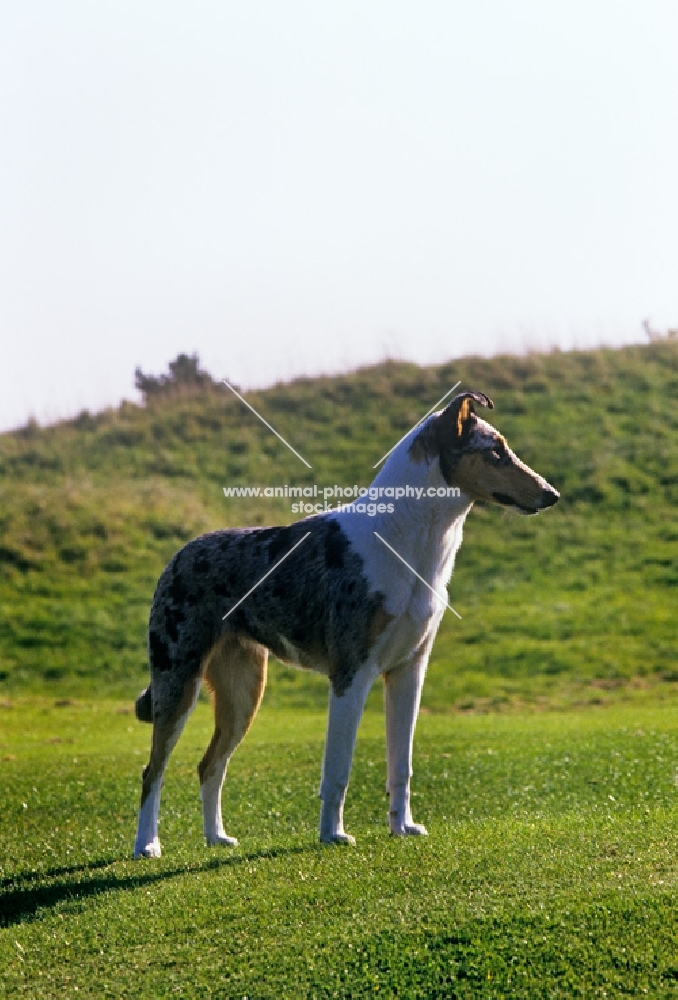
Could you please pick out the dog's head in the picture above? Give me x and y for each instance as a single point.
(474, 456)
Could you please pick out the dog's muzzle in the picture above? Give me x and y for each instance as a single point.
(548, 497)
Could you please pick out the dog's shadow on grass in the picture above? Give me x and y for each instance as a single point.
(21, 900)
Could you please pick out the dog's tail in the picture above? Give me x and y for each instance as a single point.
(143, 706)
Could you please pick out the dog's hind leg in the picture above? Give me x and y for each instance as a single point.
(236, 674)
(402, 694)
(172, 707)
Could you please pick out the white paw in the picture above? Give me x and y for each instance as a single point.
(223, 840)
(151, 850)
(337, 838)
(409, 830)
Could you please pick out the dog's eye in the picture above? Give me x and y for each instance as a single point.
(498, 453)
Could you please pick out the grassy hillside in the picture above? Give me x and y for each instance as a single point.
(568, 606)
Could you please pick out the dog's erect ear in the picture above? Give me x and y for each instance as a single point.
(450, 429)
(455, 418)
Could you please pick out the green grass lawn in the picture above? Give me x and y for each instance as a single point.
(550, 869)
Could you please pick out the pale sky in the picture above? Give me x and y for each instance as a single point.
(302, 187)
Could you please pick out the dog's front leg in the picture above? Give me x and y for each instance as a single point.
(342, 727)
(402, 694)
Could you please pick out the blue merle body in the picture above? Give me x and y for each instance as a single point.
(315, 609)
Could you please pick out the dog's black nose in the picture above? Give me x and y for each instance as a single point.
(549, 496)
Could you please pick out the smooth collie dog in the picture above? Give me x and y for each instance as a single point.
(349, 602)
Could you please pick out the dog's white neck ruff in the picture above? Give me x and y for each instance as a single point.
(425, 532)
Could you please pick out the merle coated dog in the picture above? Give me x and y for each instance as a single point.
(342, 603)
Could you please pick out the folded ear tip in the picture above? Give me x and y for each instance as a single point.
(482, 398)
(461, 407)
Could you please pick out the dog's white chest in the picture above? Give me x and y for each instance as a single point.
(413, 569)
